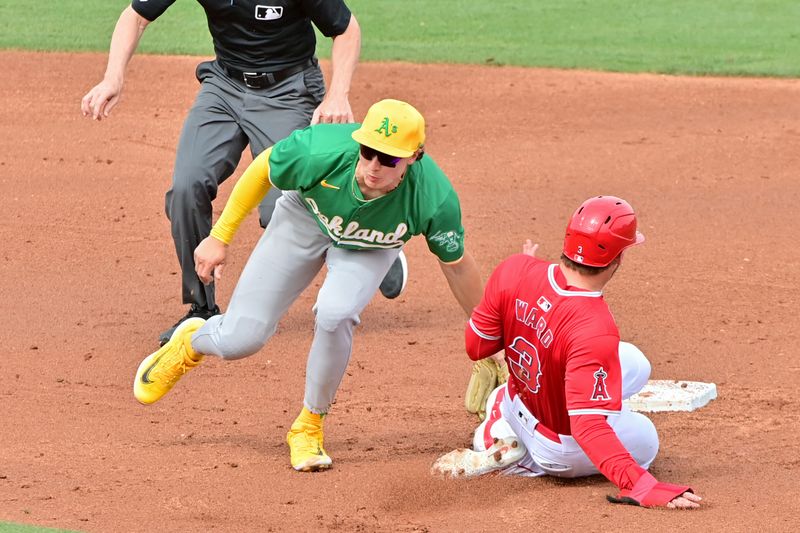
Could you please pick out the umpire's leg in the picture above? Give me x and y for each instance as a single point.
(209, 149)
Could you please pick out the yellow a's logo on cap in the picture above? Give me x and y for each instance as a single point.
(386, 128)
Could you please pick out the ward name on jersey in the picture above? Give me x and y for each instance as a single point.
(527, 304)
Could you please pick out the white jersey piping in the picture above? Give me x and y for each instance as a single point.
(606, 412)
(562, 292)
(481, 334)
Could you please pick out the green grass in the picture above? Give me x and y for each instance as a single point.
(19, 528)
(86, 25)
(730, 37)
(687, 36)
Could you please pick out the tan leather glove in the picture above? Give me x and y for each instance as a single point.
(502, 372)
(486, 375)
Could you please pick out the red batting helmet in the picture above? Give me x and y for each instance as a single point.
(599, 230)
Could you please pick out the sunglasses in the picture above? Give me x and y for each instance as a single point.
(385, 160)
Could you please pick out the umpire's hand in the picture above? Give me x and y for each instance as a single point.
(209, 258)
(101, 99)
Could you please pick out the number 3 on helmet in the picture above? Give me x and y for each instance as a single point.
(600, 229)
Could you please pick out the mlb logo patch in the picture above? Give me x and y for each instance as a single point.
(544, 304)
(269, 12)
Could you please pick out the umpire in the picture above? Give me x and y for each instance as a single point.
(264, 83)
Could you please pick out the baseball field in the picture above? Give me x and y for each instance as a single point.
(689, 110)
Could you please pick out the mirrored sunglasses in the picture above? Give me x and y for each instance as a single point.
(384, 159)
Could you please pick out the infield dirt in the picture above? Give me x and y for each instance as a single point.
(88, 279)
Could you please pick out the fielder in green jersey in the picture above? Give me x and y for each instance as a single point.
(320, 164)
(354, 194)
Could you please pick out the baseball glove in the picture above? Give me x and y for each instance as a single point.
(486, 375)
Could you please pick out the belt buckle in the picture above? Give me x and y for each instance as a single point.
(258, 80)
(254, 80)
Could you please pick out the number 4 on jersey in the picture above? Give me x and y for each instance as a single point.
(523, 361)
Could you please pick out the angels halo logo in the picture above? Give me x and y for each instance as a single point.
(600, 393)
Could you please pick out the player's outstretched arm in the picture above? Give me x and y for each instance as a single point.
(464, 279)
(637, 486)
(102, 98)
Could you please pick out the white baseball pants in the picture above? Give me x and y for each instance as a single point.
(566, 458)
(284, 262)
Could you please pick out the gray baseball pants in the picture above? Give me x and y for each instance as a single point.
(284, 262)
(225, 117)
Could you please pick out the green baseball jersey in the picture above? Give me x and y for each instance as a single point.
(320, 163)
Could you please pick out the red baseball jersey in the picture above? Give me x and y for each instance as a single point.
(561, 343)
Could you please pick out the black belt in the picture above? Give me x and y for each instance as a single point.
(262, 80)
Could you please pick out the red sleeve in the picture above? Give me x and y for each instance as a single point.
(479, 346)
(483, 334)
(593, 377)
(598, 440)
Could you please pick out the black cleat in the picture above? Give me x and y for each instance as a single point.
(395, 280)
(194, 311)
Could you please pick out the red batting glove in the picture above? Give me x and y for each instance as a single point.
(649, 492)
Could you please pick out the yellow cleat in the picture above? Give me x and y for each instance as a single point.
(305, 443)
(160, 370)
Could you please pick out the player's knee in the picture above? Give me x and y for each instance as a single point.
(238, 349)
(630, 354)
(191, 189)
(331, 316)
(635, 368)
(242, 339)
(644, 447)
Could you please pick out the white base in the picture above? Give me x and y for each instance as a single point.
(671, 395)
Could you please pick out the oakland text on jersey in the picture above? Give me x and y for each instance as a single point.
(354, 234)
(528, 318)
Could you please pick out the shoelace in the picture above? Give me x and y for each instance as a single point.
(308, 442)
(171, 369)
